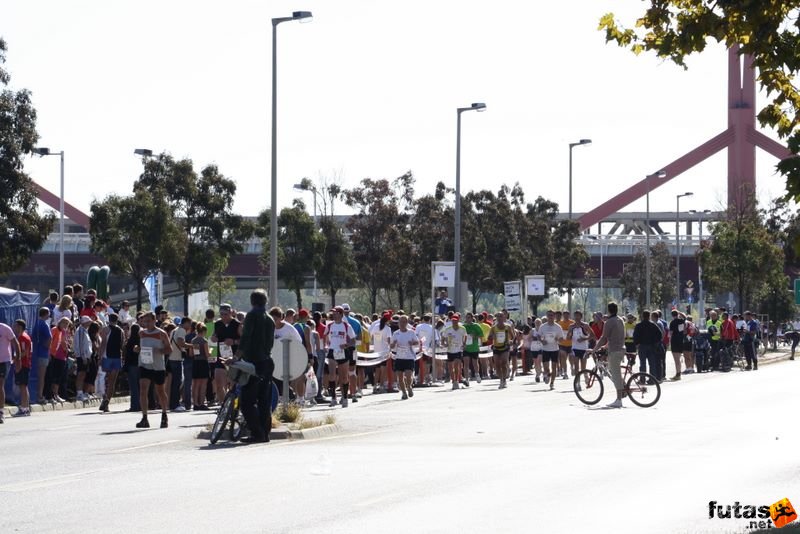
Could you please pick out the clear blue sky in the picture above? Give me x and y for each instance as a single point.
(368, 89)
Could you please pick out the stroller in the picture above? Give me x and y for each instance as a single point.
(701, 346)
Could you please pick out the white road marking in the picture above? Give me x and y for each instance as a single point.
(46, 482)
(156, 444)
(61, 427)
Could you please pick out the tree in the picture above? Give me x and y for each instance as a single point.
(768, 31)
(300, 247)
(431, 234)
(220, 286)
(662, 277)
(137, 235)
(23, 230)
(742, 256)
(203, 205)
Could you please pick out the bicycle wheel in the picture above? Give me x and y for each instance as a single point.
(238, 424)
(225, 412)
(643, 389)
(588, 387)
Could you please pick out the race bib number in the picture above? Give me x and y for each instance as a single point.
(469, 339)
(680, 327)
(146, 355)
(338, 354)
(536, 346)
(500, 337)
(377, 338)
(225, 351)
(404, 352)
(550, 337)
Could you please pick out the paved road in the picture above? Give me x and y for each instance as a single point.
(522, 459)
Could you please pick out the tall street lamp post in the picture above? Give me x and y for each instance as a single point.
(678, 244)
(43, 151)
(571, 146)
(477, 106)
(661, 175)
(273, 229)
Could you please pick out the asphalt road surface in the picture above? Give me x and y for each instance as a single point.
(522, 459)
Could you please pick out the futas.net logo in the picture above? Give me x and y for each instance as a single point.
(776, 515)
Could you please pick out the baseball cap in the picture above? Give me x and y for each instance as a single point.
(303, 312)
(85, 319)
(345, 307)
(339, 309)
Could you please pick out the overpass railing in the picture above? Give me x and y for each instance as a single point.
(628, 245)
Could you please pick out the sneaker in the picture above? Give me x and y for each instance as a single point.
(512, 378)
(179, 408)
(466, 383)
(455, 385)
(104, 406)
(355, 398)
(58, 399)
(478, 378)
(344, 402)
(333, 402)
(538, 378)
(358, 394)
(616, 404)
(202, 407)
(144, 423)
(676, 378)
(404, 397)
(164, 420)
(19, 413)
(552, 387)
(564, 376)
(411, 392)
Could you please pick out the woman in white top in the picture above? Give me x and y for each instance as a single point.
(580, 333)
(380, 335)
(64, 309)
(533, 346)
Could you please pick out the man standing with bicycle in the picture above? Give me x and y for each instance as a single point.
(614, 339)
(255, 346)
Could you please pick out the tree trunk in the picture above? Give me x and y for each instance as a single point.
(373, 299)
(401, 297)
(299, 299)
(139, 287)
(185, 301)
(332, 291)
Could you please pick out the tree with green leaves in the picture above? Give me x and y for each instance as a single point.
(23, 230)
(431, 235)
(220, 286)
(767, 31)
(742, 257)
(137, 235)
(300, 248)
(338, 269)
(203, 205)
(662, 277)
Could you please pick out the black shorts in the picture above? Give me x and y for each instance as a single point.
(4, 371)
(403, 365)
(579, 353)
(550, 356)
(200, 369)
(56, 370)
(453, 356)
(350, 356)
(156, 377)
(630, 347)
(21, 377)
(687, 346)
(500, 353)
(676, 347)
(473, 355)
(82, 364)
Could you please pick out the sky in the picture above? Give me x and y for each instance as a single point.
(367, 89)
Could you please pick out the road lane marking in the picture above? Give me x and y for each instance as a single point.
(156, 444)
(46, 482)
(61, 427)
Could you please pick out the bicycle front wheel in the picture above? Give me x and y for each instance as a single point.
(238, 424)
(588, 387)
(225, 412)
(643, 389)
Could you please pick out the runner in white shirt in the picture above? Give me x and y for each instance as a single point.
(338, 336)
(580, 333)
(381, 335)
(550, 333)
(454, 337)
(426, 334)
(403, 343)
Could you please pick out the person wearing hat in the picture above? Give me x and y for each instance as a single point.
(339, 336)
(454, 337)
(356, 326)
(111, 354)
(501, 337)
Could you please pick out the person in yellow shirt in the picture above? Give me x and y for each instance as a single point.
(630, 325)
(484, 362)
(565, 346)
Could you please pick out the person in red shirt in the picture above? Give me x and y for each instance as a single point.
(22, 367)
(728, 335)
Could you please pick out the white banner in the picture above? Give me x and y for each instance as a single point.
(534, 285)
(513, 293)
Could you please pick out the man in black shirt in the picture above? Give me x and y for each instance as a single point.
(227, 331)
(647, 337)
(677, 336)
(258, 336)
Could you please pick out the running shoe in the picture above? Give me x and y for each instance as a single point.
(410, 392)
(616, 404)
(344, 402)
(144, 423)
(164, 421)
(455, 385)
(333, 402)
(404, 397)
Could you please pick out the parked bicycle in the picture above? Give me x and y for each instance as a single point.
(643, 389)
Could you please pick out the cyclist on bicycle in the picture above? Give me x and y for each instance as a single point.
(614, 339)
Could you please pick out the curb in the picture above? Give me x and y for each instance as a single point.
(284, 433)
(58, 406)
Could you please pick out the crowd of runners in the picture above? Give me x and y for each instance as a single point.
(178, 364)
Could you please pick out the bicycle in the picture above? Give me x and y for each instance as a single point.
(239, 373)
(643, 389)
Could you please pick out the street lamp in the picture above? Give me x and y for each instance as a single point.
(306, 185)
(304, 16)
(571, 146)
(660, 175)
(700, 296)
(42, 151)
(144, 152)
(476, 106)
(678, 242)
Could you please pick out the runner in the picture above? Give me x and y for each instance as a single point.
(454, 338)
(472, 348)
(22, 368)
(550, 334)
(403, 343)
(351, 350)
(534, 342)
(154, 345)
(227, 332)
(565, 346)
(339, 335)
(111, 351)
(501, 335)
(200, 367)
(381, 335)
(580, 333)
(132, 366)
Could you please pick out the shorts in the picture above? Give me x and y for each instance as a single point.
(550, 356)
(111, 364)
(157, 377)
(579, 353)
(453, 356)
(565, 348)
(501, 353)
(687, 346)
(200, 369)
(82, 363)
(4, 369)
(676, 347)
(534, 353)
(56, 370)
(348, 357)
(21, 377)
(403, 365)
(473, 355)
